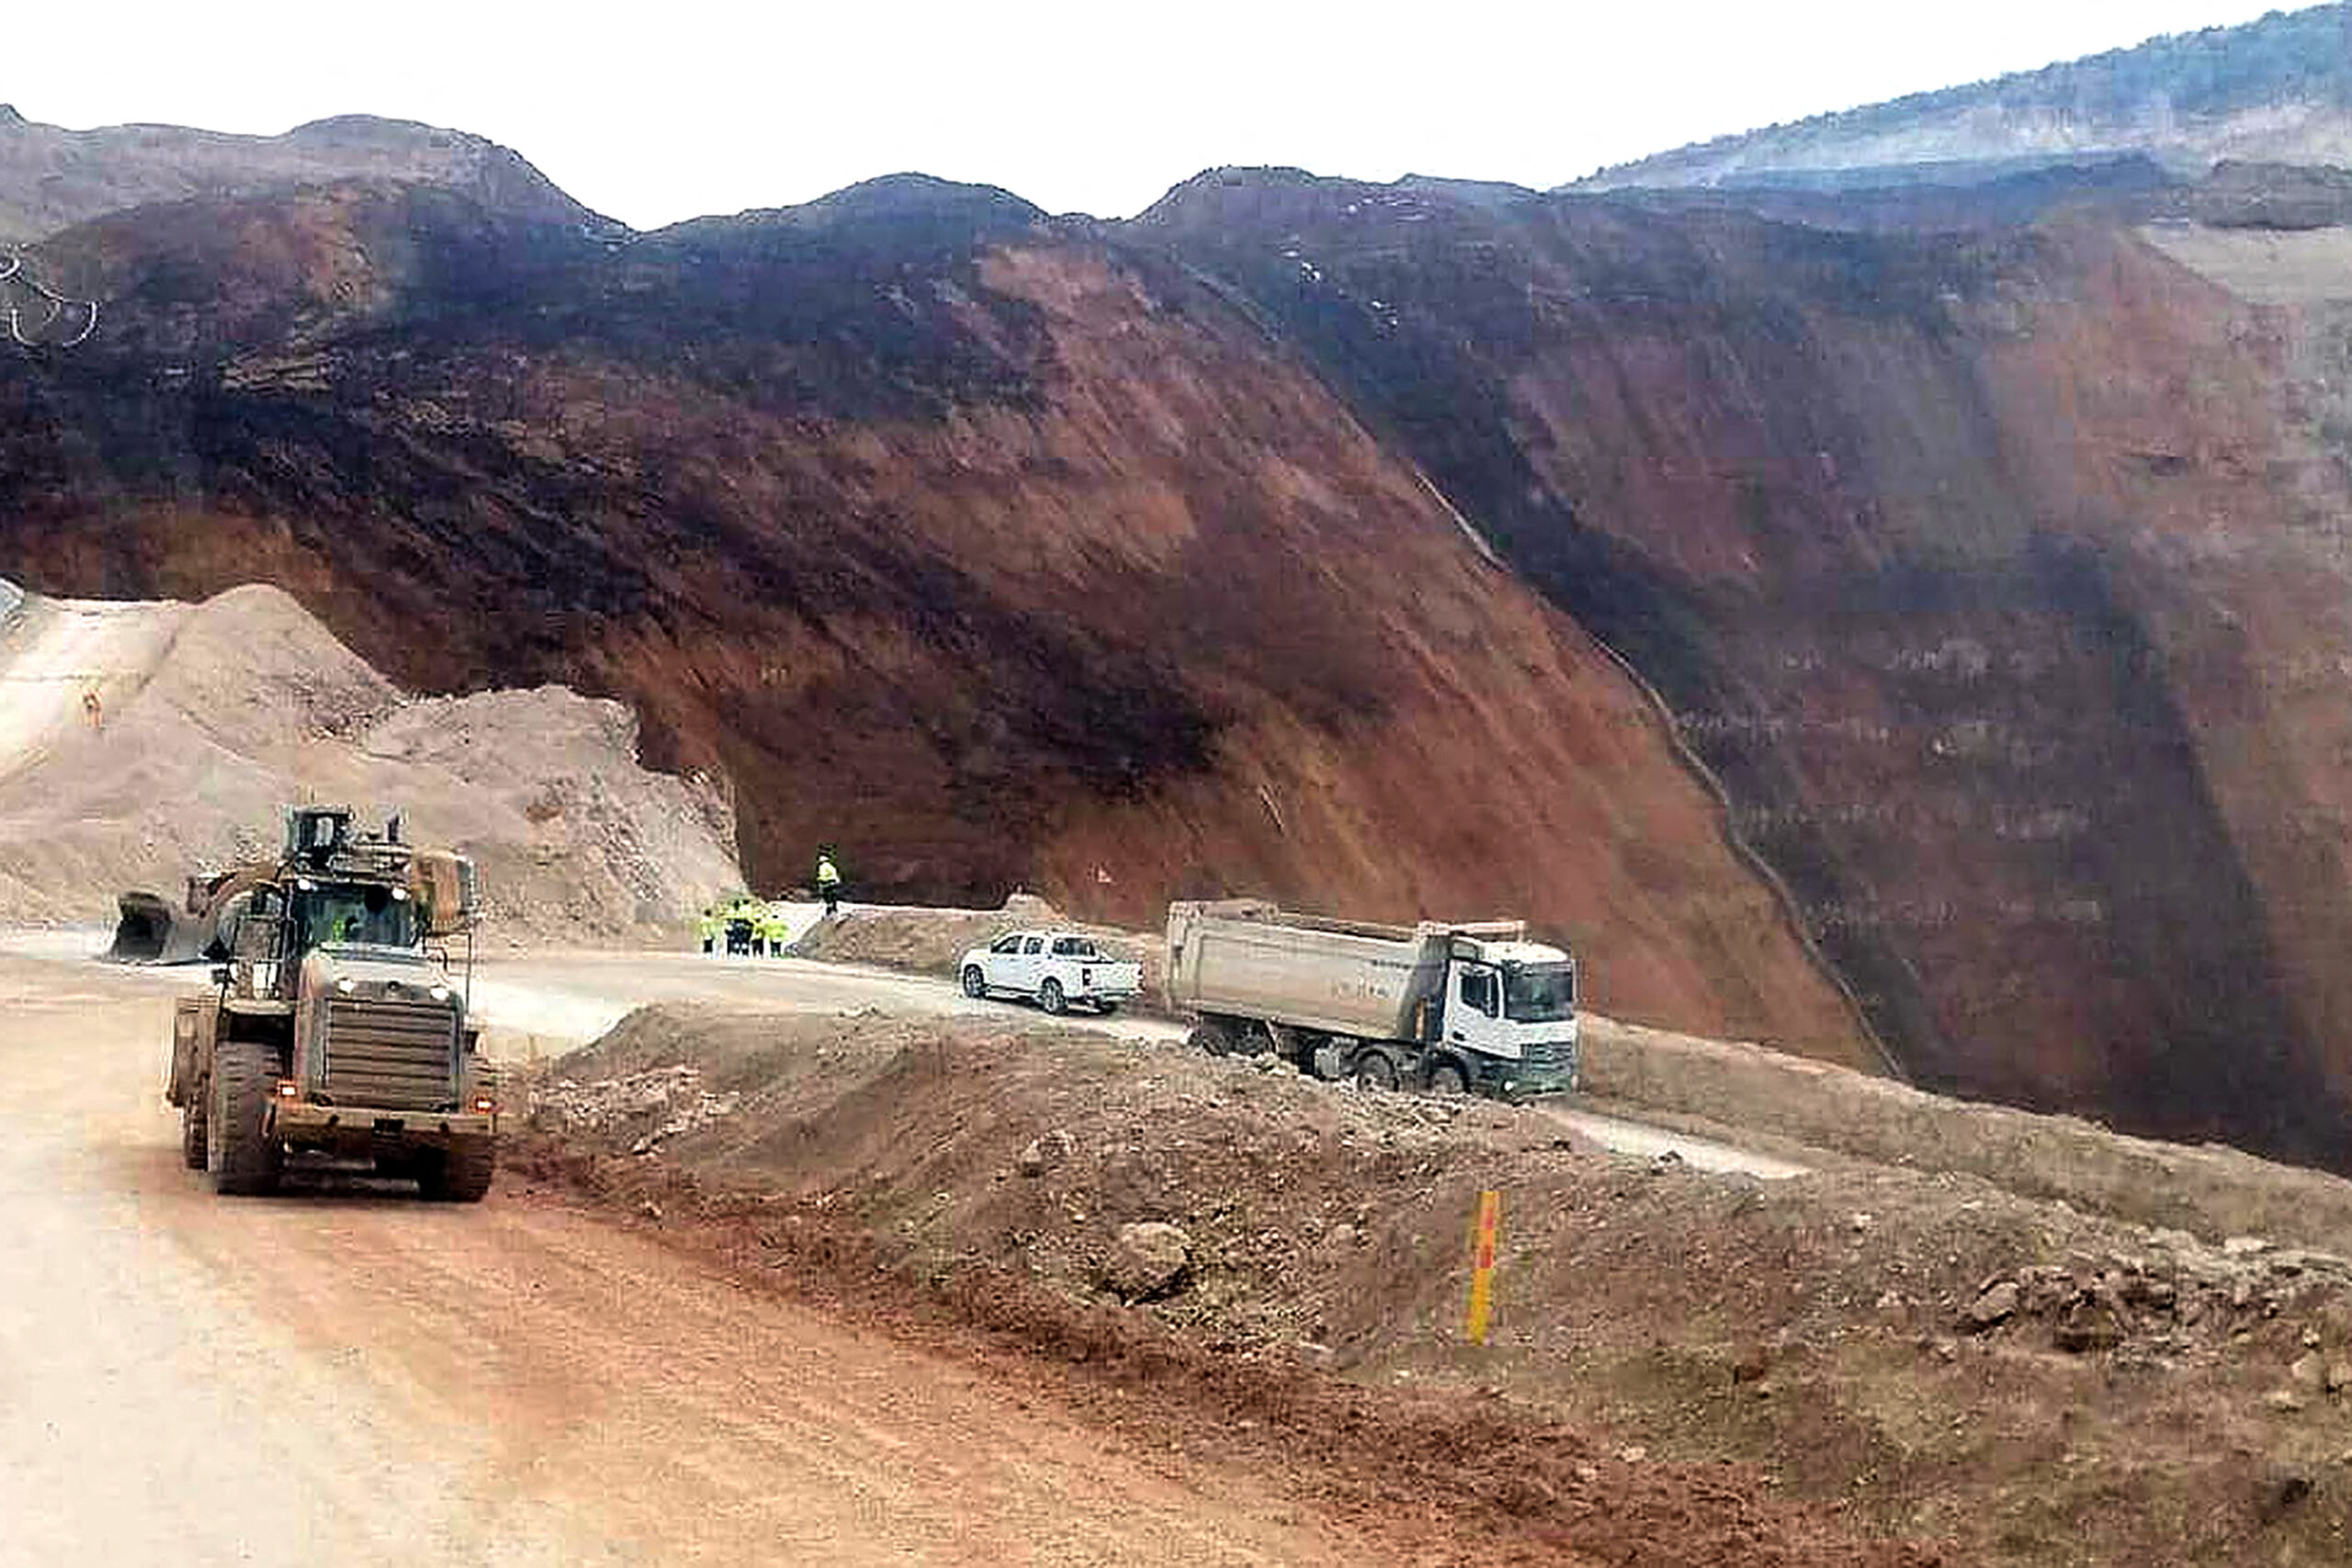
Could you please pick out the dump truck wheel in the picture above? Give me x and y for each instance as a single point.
(1211, 1038)
(1447, 1077)
(974, 984)
(460, 1174)
(192, 1140)
(243, 1161)
(1375, 1069)
(1050, 998)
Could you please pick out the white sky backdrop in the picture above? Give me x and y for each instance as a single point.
(656, 112)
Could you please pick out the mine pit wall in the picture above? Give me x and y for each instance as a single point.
(1977, 568)
(1070, 580)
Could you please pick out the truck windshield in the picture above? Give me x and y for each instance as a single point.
(356, 913)
(1540, 993)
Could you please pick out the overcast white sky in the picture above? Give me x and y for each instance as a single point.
(656, 112)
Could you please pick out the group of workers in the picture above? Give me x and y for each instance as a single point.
(747, 925)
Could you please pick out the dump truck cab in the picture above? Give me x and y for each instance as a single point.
(338, 1025)
(1508, 1017)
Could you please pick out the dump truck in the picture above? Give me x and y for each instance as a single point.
(1445, 1008)
(337, 1026)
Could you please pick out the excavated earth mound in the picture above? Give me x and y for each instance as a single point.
(140, 742)
(1930, 1356)
(932, 941)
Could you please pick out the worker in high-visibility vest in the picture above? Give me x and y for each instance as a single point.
(828, 880)
(778, 930)
(709, 926)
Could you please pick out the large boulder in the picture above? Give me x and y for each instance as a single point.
(1149, 1261)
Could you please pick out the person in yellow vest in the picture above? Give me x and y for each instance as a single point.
(778, 930)
(828, 880)
(707, 926)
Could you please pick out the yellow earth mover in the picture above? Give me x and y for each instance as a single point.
(336, 1026)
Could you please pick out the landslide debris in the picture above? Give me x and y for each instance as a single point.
(994, 550)
(2009, 1379)
(208, 718)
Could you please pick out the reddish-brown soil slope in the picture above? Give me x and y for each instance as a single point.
(978, 544)
(1999, 573)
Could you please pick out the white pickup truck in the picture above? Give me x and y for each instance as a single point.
(1058, 969)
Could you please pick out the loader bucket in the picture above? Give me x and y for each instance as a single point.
(144, 931)
(152, 931)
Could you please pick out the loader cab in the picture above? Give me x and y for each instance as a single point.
(350, 913)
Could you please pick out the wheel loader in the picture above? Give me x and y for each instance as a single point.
(336, 1025)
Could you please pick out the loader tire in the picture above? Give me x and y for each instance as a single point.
(460, 1174)
(244, 1160)
(192, 1150)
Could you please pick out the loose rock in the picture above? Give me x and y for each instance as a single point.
(1041, 1155)
(1996, 1306)
(1149, 1260)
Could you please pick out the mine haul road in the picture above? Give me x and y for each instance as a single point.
(348, 1374)
(353, 1377)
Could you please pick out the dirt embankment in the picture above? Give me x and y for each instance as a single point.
(821, 1155)
(932, 941)
(1925, 1356)
(2216, 1191)
(141, 742)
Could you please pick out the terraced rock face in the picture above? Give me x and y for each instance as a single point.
(2000, 574)
(996, 551)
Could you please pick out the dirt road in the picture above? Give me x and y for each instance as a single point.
(361, 1376)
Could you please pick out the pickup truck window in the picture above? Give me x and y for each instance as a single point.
(1479, 990)
(1006, 943)
(1033, 944)
(1074, 947)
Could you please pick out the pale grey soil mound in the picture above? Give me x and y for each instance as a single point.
(2009, 1379)
(211, 717)
(931, 941)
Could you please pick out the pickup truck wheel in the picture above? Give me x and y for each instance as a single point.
(1447, 1077)
(1050, 998)
(1106, 1008)
(975, 985)
(1211, 1038)
(1376, 1068)
(243, 1160)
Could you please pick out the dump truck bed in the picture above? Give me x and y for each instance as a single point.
(1248, 959)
